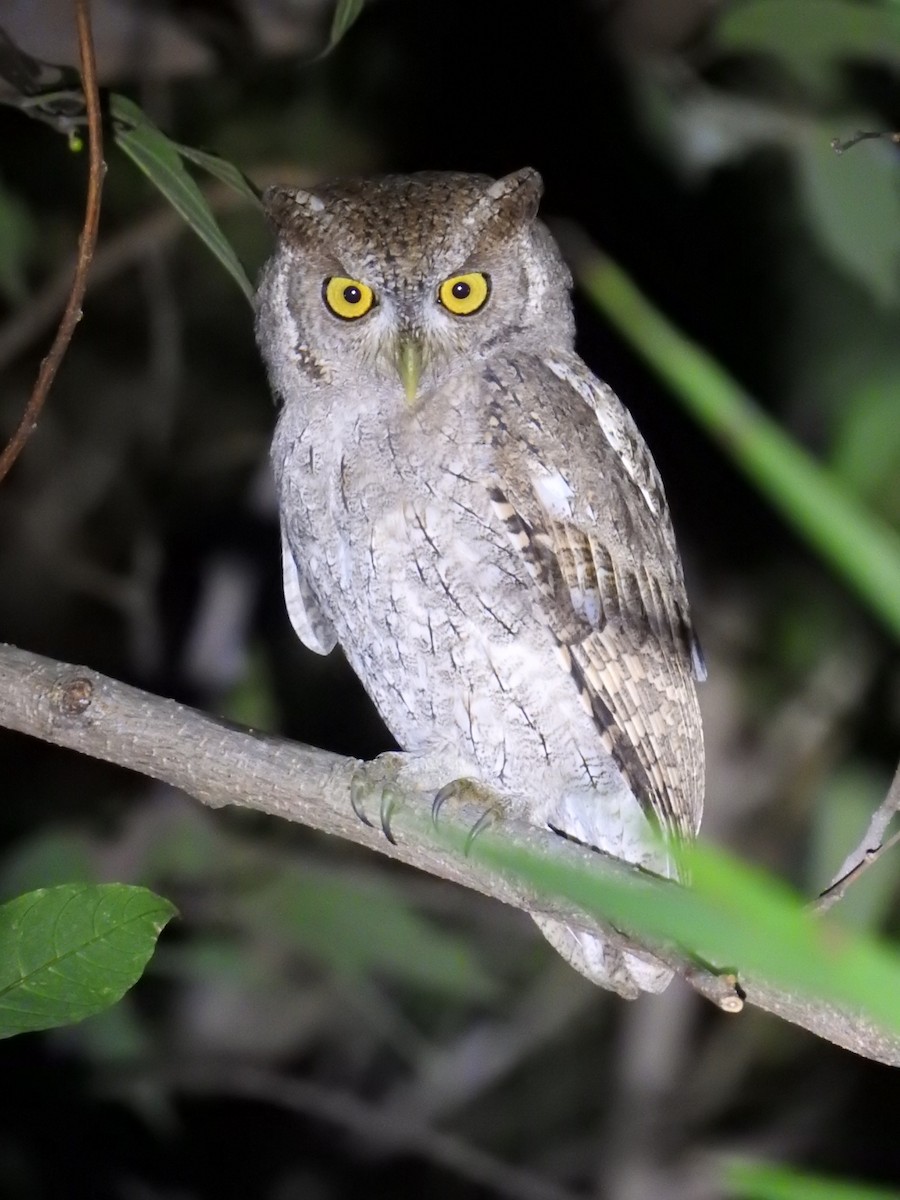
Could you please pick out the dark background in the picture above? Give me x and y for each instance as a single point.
(138, 536)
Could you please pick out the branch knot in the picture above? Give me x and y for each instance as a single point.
(72, 697)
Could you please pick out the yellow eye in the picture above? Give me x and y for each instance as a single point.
(465, 294)
(347, 298)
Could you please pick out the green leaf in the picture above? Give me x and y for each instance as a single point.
(160, 160)
(760, 1181)
(811, 37)
(853, 203)
(734, 917)
(345, 14)
(857, 543)
(221, 169)
(68, 952)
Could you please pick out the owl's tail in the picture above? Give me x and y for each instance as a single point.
(603, 963)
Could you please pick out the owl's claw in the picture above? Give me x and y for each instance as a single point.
(374, 784)
(358, 787)
(485, 821)
(467, 790)
(389, 804)
(382, 783)
(441, 798)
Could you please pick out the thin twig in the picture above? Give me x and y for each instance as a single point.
(863, 135)
(869, 850)
(88, 240)
(836, 891)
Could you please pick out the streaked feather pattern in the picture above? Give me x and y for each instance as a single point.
(609, 578)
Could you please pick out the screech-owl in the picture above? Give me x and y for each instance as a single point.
(475, 518)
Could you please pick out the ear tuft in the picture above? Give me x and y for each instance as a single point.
(290, 208)
(517, 196)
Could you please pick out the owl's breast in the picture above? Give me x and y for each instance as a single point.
(392, 509)
(417, 578)
(393, 526)
(433, 599)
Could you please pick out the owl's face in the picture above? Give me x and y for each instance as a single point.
(398, 283)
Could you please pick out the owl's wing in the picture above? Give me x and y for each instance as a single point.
(581, 499)
(311, 625)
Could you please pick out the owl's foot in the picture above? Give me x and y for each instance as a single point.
(380, 786)
(378, 780)
(469, 792)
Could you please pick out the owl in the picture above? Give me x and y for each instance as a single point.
(474, 517)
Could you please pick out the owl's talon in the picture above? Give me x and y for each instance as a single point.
(441, 798)
(485, 821)
(466, 789)
(378, 784)
(389, 805)
(358, 788)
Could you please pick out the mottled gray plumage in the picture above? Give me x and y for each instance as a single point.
(475, 518)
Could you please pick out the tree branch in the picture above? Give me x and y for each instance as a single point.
(219, 764)
(72, 313)
(869, 850)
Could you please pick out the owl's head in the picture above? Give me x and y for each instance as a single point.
(399, 282)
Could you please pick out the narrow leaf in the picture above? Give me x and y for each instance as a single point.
(856, 542)
(221, 169)
(761, 1181)
(345, 14)
(68, 952)
(160, 160)
(733, 917)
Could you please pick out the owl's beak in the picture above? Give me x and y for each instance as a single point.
(409, 364)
